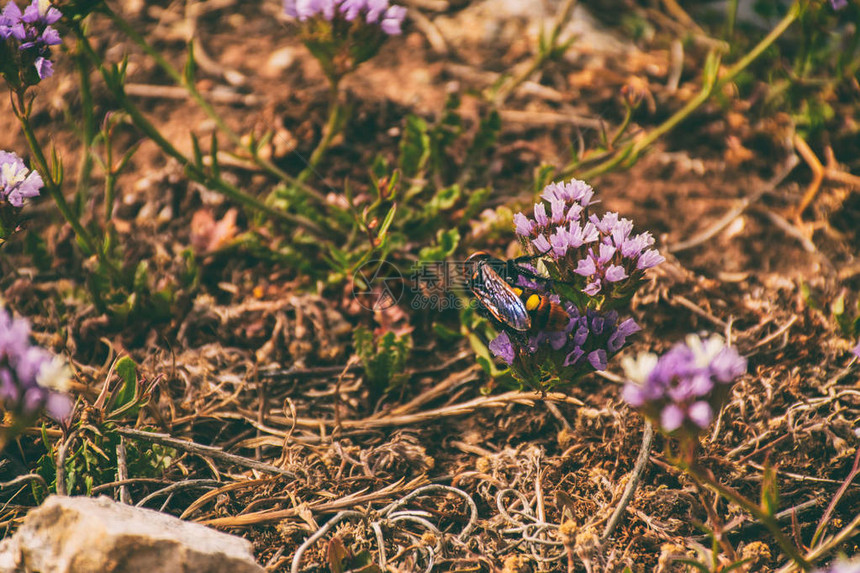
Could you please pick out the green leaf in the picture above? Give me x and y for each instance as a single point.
(384, 359)
(446, 243)
(543, 176)
(476, 201)
(386, 223)
(190, 66)
(444, 199)
(414, 147)
(769, 491)
(198, 155)
(213, 153)
(126, 369)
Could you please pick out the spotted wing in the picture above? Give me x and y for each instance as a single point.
(500, 300)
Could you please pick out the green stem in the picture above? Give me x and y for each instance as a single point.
(544, 52)
(630, 153)
(329, 131)
(89, 132)
(22, 112)
(207, 108)
(704, 478)
(194, 171)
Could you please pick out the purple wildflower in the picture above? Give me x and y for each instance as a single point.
(31, 378)
(31, 35)
(601, 255)
(856, 350)
(379, 12)
(41, 12)
(586, 344)
(684, 388)
(16, 181)
(838, 4)
(10, 22)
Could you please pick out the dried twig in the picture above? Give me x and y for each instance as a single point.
(201, 450)
(820, 173)
(630, 488)
(26, 478)
(733, 214)
(392, 516)
(502, 400)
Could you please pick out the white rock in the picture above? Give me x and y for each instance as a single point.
(99, 535)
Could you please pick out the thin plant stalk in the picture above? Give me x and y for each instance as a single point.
(704, 478)
(196, 173)
(544, 52)
(22, 112)
(330, 130)
(88, 127)
(629, 154)
(207, 108)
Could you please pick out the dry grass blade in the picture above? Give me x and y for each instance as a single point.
(201, 450)
(342, 503)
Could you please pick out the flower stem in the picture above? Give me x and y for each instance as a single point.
(88, 131)
(705, 478)
(22, 112)
(630, 488)
(329, 131)
(629, 154)
(207, 108)
(545, 51)
(193, 170)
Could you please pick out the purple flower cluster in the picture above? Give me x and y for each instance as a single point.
(31, 35)
(16, 181)
(842, 566)
(389, 18)
(684, 388)
(601, 254)
(586, 344)
(31, 378)
(856, 350)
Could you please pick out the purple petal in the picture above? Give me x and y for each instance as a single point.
(557, 208)
(701, 414)
(649, 259)
(559, 242)
(393, 20)
(541, 244)
(633, 395)
(573, 356)
(59, 406)
(524, 225)
(45, 69)
(671, 418)
(502, 347)
(598, 359)
(593, 288)
(586, 267)
(50, 37)
(606, 253)
(615, 273)
(540, 215)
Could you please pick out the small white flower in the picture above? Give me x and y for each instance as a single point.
(705, 351)
(55, 375)
(638, 369)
